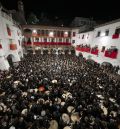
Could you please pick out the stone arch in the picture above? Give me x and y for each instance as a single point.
(13, 59)
(27, 31)
(27, 34)
(10, 59)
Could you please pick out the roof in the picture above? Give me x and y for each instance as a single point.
(87, 30)
(108, 23)
(45, 27)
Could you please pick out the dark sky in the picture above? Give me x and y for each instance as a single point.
(98, 9)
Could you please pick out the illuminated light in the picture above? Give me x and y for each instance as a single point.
(51, 34)
(34, 31)
(66, 34)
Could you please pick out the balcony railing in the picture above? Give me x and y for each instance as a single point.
(47, 43)
(83, 49)
(115, 36)
(112, 54)
(94, 51)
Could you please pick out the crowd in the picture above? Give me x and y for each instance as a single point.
(58, 92)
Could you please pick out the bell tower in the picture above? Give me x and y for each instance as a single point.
(21, 12)
(20, 6)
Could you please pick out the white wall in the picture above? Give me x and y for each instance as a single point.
(103, 40)
(74, 38)
(4, 37)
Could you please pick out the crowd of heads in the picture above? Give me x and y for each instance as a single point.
(58, 92)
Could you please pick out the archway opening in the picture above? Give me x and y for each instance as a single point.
(10, 60)
(20, 54)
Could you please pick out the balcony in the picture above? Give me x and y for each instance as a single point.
(13, 46)
(47, 43)
(112, 54)
(94, 51)
(115, 36)
(83, 49)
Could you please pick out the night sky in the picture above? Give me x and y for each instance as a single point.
(98, 9)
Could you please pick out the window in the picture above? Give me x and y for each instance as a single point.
(103, 49)
(19, 42)
(8, 30)
(69, 34)
(55, 33)
(83, 37)
(74, 33)
(52, 40)
(67, 40)
(39, 32)
(0, 44)
(46, 32)
(117, 31)
(62, 33)
(58, 33)
(42, 32)
(60, 40)
(49, 40)
(73, 41)
(98, 34)
(45, 39)
(106, 32)
(36, 39)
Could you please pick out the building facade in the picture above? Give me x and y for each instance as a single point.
(102, 44)
(47, 37)
(10, 40)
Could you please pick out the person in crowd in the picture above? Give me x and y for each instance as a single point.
(59, 92)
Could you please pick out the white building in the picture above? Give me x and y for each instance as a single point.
(105, 39)
(10, 40)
